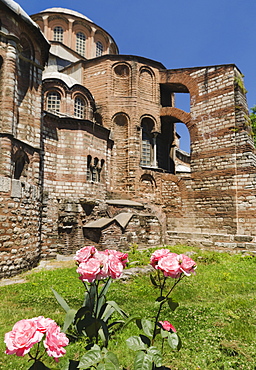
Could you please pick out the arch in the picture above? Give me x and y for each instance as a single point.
(57, 18)
(99, 35)
(178, 115)
(179, 81)
(146, 83)
(82, 26)
(147, 186)
(121, 79)
(113, 49)
(120, 124)
(58, 24)
(25, 68)
(121, 119)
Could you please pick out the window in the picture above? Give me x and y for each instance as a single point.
(146, 149)
(148, 144)
(99, 49)
(79, 108)
(53, 101)
(80, 43)
(58, 34)
(94, 168)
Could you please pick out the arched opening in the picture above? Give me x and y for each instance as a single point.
(175, 95)
(182, 101)
(120, 149)
(79, 107)
(148, 143)
(166, 145)
(58, 34)
(99, 49)
(184, 136)
(80, 43)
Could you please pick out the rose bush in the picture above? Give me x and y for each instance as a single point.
(28, 332)
(166, 264)
(96, 270)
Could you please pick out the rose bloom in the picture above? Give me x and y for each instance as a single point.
(88, 270)
(166, 325)
(123, 257)
(157, 255)
(187, 265)
(102, 257)
(84, 254)
(55, 341)
(174, 265)
(115, 266)
(23, 336)
(43, 323)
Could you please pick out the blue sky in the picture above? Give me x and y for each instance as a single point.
(177, 33)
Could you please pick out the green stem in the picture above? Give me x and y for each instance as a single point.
(162, 303)
(96, 310)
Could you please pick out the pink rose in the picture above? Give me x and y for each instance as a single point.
(84, 254)
(187, 265)
(23, 336)
(102, 257)
(170, 265)
(89, 270)
(157, 255)
(55, 341)
(115, 266)
(166, 325)
(123, 257)
(43, 323)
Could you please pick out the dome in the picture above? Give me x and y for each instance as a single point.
(69, 81)
(66, 11)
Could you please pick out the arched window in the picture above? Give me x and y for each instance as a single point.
(148, 144)
(89, 163)
(58, 34)
(99, 49)
(79, 108)
(53, 101)
(94, 168)
(80, 43)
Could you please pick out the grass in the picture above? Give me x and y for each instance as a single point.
(216, 317)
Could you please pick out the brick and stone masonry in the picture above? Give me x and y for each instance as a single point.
(88, 146)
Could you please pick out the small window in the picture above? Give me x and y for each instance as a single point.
(146, 150)
(99, 49)
(58, 34)
(53, 101)
(89, 162)
(148, 143)
(122, 70)
(94, 168)
(79, 108)
(80, 43)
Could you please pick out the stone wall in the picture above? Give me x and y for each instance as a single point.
(23, 52)
(20, 226)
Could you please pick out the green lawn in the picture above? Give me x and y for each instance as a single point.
(216, 318)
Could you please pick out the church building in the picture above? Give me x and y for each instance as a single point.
(90, 155)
